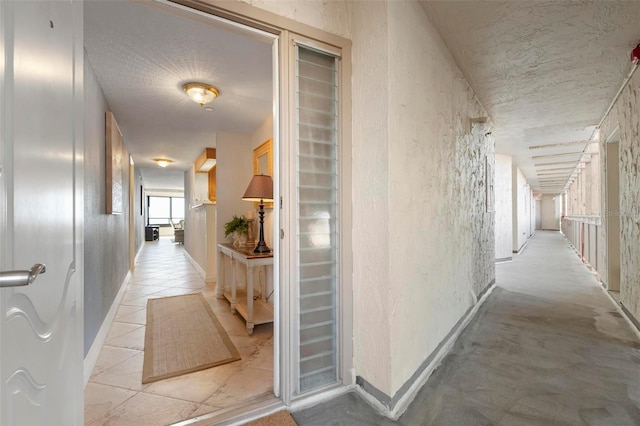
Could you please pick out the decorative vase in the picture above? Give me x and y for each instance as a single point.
(239, 240)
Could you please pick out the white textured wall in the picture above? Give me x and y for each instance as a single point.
(423, 244)
(520, 217)
(441, 239)
(551, 206)
(626, 115)
(370, 169)
(331, 16)
(503, 207)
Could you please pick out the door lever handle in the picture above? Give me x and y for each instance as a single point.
(21, 278)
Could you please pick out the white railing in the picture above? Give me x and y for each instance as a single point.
(582, 233)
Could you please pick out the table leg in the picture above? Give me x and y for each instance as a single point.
(220, 283)
(249, 300)
(233, 285)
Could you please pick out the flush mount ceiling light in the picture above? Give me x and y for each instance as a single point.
(201, 93)
(163, 162)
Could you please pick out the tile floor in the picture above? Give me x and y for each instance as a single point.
(115, 394)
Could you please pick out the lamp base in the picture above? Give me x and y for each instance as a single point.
(262, 248)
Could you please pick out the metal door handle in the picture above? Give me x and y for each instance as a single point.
(20, 278)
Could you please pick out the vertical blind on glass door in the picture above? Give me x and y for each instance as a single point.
(317, 224)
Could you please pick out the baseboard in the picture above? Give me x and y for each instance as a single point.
(195, 265)
(135, 260)
(631, 318)
(521, 248)
(394, 407)
(92, 356)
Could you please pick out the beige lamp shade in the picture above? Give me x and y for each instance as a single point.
(260, 188)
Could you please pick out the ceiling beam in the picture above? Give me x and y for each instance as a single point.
(557, 168)
(556, 163)
(554, 145)
(555, 172)
(565, 173)
(564, 154)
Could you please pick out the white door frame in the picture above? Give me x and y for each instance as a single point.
(288, 268)
(284, 31)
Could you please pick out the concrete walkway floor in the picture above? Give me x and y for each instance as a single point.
(548, 347)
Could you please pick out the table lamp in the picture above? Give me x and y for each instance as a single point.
(260, 189)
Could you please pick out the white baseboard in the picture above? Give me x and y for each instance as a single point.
(135, 260)
(195, 265)
(92, 356)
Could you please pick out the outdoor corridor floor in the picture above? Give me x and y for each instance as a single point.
(548, 347)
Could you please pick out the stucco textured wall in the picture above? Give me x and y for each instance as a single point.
(423, 243)
(331, 16)
(441, 240)
(370, 169)
(625, 115)
(503, 207)
(551, 211)
(106, 244)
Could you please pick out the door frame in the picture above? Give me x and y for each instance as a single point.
(612, 241)
(284, 30)
(132, 216)
(289, 41)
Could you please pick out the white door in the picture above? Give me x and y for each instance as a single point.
(41, 94)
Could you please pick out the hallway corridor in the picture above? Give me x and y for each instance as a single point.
(115, 394)
(547, 347)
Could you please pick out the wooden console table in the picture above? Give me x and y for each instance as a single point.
(253, 311)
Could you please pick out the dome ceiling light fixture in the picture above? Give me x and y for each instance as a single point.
(201, 93)
(163, 162)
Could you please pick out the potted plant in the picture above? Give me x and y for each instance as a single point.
(237, 228)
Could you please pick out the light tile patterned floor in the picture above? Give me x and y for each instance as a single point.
(115, 394)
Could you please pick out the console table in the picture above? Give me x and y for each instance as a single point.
(253, 311)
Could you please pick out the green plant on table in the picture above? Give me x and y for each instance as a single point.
(237, 224)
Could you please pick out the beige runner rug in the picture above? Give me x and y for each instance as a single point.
(281, 418)
(183, 335)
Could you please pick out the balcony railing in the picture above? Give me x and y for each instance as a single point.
(583, 232)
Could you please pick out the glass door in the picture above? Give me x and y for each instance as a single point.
(317, 221)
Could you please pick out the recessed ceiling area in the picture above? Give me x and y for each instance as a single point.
(143, 53)
(546, 71)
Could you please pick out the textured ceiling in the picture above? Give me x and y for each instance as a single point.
(545, 71)
(142, 55)
(159, 179)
